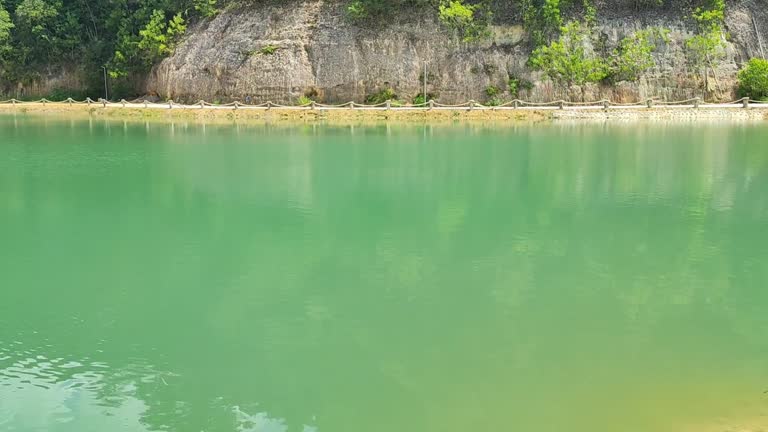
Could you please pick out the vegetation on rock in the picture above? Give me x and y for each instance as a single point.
(128, 37)
(753, 79)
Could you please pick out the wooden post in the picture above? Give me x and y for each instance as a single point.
(745, 102)
(515, 104)
(696, 103)
(471, 105)
(649, 103)
(561, 104)
(606, 104)
(312, 105)
(104, 102)
(389, 104)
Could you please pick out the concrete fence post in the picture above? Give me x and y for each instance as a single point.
(431, 104)
(202, 104)
(606, 104)
(515, 104)
(146, 105)
(237, 105)
(561, 104)
(745, 102)
(269, 105)
(313, 105)
(649, 103)
(170, 104)
(123, 101)
(104, 103)
(696, 102)
(45, 101)
(351, 105)
(471, 105)
(389, 104)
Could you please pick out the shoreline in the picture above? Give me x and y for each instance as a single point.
(406, 115)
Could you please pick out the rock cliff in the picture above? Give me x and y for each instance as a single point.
(281, 50)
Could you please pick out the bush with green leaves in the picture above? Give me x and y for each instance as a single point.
(707, 47)
(378, 11)
(515, 84)
(5, 31)
(206, 8)
(304, 100)
(469, 18)
(381, 96)
(492, 91)
(157, 38)
(566, 61)
(471, 21)
(753, 79)
(634, 55)
(127, 36)
(543, 19)
(419, 99)
(268, 49)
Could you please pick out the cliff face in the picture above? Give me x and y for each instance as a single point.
(319, 52)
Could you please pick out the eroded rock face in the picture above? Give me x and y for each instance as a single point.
(320, 53)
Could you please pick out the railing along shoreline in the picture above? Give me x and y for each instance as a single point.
(394, 105)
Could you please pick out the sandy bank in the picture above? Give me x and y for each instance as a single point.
(344, 115)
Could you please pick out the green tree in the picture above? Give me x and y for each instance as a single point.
(707, 47)
(753, 79)
(543, 19)
(36, 30)
(566, 61)
(470, 20)
(6, 25)
(634, 54)
(206, 8)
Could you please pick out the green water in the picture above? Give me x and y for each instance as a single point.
(564, 278)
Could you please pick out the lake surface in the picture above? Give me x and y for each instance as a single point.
(310, 278)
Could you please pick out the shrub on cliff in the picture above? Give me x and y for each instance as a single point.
(566, 61)
(634, 55)
(753, 79)
(469, 20)
(381, 97)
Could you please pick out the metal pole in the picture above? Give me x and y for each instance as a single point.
(106, 89)
(759, 39)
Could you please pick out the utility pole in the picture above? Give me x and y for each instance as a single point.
(106, 89)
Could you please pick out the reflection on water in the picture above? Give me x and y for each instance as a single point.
(409, 278)
(41, 393)
(38, 393)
